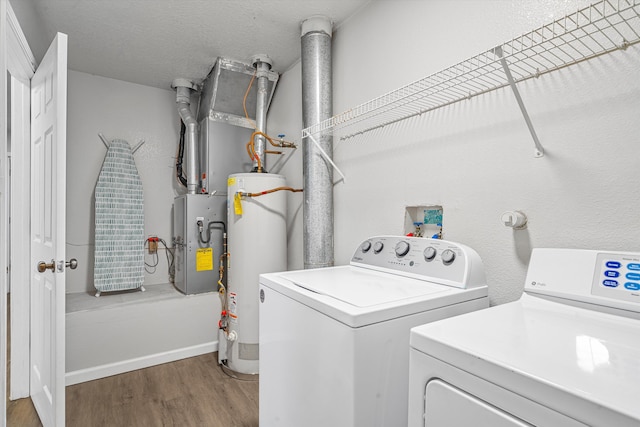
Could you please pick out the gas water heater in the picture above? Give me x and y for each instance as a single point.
(256, 220)
(231, 123)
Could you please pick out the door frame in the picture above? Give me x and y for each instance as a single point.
(3, 211)
(21, 64)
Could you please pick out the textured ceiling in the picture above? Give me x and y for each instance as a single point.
(151, 42)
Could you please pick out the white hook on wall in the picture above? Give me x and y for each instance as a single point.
(514, 219)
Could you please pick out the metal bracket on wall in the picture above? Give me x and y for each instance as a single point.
(138, 145)
(539, 151)
(106, 143)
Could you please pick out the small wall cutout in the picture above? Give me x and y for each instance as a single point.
(423, 221)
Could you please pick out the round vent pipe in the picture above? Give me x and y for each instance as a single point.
(183, 89)
(262, 64)
(317, 105)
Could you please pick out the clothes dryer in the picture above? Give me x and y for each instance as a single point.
(566, 354)
(334, 342)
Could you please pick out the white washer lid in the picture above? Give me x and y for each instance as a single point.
(357, 296)
(361, 287)
(579, 362)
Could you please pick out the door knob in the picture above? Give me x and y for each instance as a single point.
(43, 266)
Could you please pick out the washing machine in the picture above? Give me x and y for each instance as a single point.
(334, 342)
(567, 353)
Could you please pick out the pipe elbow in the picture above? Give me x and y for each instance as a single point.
(186, 115)
(191, 124)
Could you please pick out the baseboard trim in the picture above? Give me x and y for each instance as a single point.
(103, 371)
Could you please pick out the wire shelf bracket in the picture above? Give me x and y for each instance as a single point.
(600, 28)
(539, 151)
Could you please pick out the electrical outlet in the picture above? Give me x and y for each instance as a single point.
(153, 245)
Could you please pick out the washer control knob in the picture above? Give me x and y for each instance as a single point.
(430, 253)
(365, 246)
(377, 247)
(448, 256)
(402, 248)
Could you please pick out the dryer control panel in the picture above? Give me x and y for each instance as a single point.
(617, 276)
(604, 279)
(438, 261)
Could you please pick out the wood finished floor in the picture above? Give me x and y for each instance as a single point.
(189, 392)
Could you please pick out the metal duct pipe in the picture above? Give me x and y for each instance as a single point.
(262, 64)
(317, 105)
(183, 101)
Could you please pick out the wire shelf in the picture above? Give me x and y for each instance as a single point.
(600, 28)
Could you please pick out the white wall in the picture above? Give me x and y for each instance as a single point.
(285, 117)
(118, 110)
(475, 158)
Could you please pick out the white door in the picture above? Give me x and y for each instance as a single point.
(48, 198)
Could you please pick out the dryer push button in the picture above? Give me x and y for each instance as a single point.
(633, 276)
(632, 286)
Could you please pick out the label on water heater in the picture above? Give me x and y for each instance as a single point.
(237, 204)
(233, 307)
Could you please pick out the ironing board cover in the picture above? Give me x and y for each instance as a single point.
(119, 232)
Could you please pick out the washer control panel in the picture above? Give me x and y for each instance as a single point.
(434, 260)
(617, 276)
